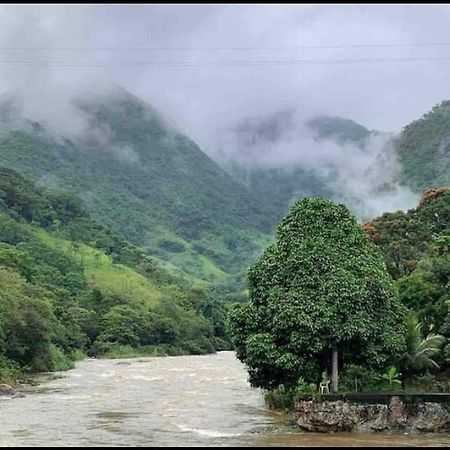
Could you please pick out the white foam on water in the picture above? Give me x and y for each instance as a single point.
(141, 377)
(208, 433)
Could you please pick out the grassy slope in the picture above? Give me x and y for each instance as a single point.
(101, 272)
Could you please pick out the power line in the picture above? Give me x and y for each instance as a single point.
(219, 63)
(175, 49)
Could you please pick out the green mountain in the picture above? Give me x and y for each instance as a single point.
(423, 149)
(68, 285)
(280, 186)
(339, 128)
(144, 180)
(282, 157)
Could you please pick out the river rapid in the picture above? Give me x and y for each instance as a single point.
(171, 401)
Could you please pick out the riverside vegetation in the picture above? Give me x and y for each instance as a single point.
(69, 288)
(322, 300)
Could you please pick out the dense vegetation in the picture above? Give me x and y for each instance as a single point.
(173, 233)
(262, 145)
(146, 182)
(416, 246)
(70, 287)
(281, 186)
(423, 148)
(405, 238)
(322, 286)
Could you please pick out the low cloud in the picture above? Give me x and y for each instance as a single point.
(49, 54)
(362, 174)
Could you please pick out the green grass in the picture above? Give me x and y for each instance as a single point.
(179, 273)
(101, 272)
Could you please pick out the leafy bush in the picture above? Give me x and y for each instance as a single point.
(9, 371)
(361, 379)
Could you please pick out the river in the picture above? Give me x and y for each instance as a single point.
(172, 401)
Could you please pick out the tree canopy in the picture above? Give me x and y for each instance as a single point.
(321, 285)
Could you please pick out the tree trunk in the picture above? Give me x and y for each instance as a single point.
(334, 371)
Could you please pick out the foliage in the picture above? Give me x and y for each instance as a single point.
(392, 376)
(419, 351)
(427, 382)
(406, 238)
(355, 378)
(71, 287)
(9, 371)
(426, 292)
(144, 181)
(423, 148)
(280, 186)
(322, 284)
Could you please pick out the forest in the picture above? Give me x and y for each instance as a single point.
(71, 288)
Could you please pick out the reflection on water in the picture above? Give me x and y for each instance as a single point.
(173, 401)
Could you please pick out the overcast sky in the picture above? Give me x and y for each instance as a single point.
(208, 96)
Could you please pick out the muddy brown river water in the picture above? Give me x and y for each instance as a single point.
(173, 401)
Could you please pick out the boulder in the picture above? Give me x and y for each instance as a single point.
(431, 417)
(373, 417)
(326, 416)
(398, 414)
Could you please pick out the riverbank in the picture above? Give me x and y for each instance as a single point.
(410, 413)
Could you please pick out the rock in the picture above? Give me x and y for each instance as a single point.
(335, 416)
(325, 417)
(373, 417)
(6, 390)
(397, 416)
(432, 417)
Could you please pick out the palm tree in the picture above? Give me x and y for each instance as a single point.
(419, 352)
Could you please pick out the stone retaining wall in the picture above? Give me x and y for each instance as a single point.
(334, 416)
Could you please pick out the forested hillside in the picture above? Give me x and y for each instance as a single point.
(406, 237)
(424, 149)
(145, 181)
(71, 287)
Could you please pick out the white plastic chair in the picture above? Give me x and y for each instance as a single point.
(325, 385)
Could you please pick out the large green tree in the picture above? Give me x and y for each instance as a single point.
(322, 291)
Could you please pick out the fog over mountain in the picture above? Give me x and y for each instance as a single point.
(213, 68)
(353, 164)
